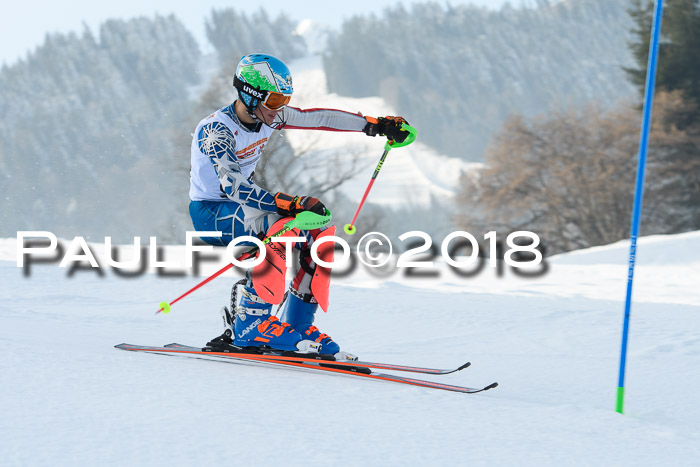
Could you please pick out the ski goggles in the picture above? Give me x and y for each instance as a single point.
(271, 100)
(275, 100)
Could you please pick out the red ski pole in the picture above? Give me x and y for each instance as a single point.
(305, 220)
(350, 228)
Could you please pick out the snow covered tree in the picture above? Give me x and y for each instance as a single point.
(87, 123)
(456, 72)
(234, 34)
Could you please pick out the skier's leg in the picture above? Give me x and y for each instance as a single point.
(229, 218)
(302, 313)
(249, 319)
(308, 289)
(255, 326)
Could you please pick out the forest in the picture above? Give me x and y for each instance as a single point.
(96, 126)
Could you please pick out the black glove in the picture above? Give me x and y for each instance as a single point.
(288, 205)
(386, 126)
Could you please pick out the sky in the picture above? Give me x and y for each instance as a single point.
(24, 24)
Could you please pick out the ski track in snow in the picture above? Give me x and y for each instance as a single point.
(69, 398)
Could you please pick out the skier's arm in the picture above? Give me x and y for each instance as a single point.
(322, 119)
(216, 141)
(339, 120)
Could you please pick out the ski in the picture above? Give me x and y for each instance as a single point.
(348, 363)
(309, 364)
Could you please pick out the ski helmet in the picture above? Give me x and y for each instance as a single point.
(263, 79)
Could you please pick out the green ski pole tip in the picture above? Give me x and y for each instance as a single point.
(350, 229)
(165, 306)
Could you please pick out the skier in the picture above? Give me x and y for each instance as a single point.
(226, 147)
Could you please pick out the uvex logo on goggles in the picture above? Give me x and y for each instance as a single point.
(254, 92)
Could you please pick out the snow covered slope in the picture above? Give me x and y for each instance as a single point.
(552, 342)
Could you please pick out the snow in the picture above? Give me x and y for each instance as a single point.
(552, 342)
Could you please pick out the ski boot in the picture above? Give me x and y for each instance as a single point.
(253, 325)
(300, 315)
(224, 342)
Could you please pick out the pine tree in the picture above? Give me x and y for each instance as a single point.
(641, 13)
(679, 51)
(678, 81)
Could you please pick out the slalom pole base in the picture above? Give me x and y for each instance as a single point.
(620, 399)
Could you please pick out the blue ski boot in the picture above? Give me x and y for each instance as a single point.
(300, 315)
(255, 326)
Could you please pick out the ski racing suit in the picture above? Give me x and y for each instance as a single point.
(225, 199)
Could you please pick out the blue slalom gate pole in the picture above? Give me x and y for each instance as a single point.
(639, 190)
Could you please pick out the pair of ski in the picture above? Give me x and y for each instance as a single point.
(314, 363)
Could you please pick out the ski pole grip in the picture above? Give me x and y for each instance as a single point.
(307, 220)
(412, 134)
